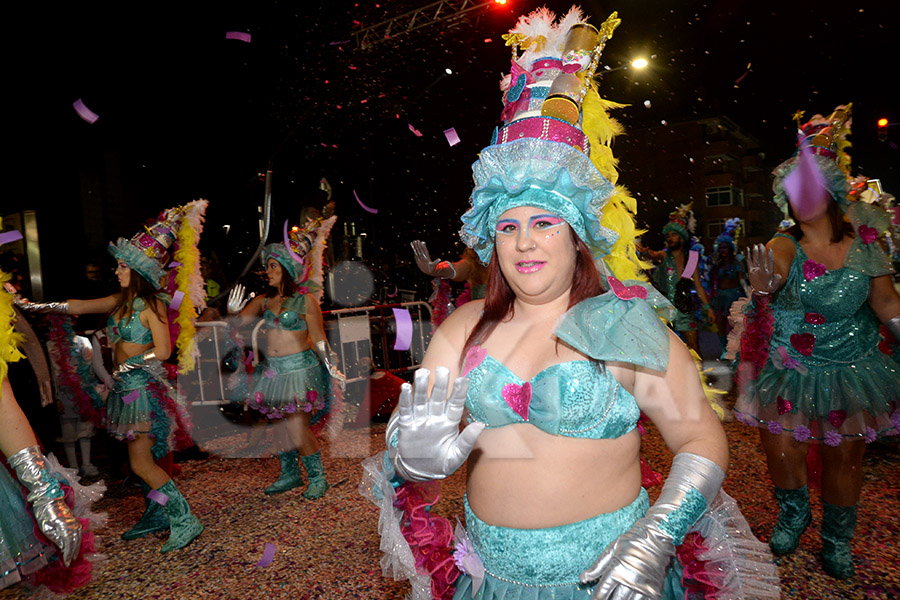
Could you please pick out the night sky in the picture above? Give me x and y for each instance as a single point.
(186, 113)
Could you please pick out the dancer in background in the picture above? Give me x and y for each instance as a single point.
(811, 370)
(554, 373)
(294, 383)
(674, 281)
(726, 277)
(142, 407)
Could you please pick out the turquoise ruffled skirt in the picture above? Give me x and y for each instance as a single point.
(544, 564)
(841, 401)
(289, 384)
(136, 405)
(20, 551)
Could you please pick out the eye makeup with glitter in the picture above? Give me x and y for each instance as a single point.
(508, 226)
(544, 221)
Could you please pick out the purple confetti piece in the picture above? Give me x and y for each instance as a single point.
(268, 555)
(10, 236)
(414, 130)
(338, 43)
(404, 329)
(158, 497)
(452, 136)
(374, 211)
(131, 397)
(805, 187)
(84, 112)
(177, 297)
(691, 265)
(174, 264)
(237, 35)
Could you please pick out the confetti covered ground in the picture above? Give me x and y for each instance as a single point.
(329, 548)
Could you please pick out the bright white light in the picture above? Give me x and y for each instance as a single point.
(639, 63)
(448, 71)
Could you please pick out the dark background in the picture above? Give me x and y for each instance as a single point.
(185, 113)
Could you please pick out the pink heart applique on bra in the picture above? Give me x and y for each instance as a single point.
(518, 397)
(812, 269)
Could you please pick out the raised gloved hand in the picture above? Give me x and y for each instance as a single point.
(433, 268)
(236, 300)
(761, 270)
(330, 359)
(53, 515)
(428, 443)
(633, 566)
(138, 361)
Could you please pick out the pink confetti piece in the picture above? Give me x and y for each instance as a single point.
(84, 112)
(805, 187)
(404, 329)
(10, 236)
(691, 265)
(374, 211)
(268, 555)
(177, 297)
(174, 264)
(338, 43)
(237, 35)
(415, 131)
(131, 397)
(488, 40)
(158, 497)
(452, 136)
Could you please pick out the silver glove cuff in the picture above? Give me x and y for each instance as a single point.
(401, 469)
(692, 484)
(327, 356)
(31, 469)
(58, 308)
(893, 327)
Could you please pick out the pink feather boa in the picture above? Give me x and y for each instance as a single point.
(758, 327)
(429, 537)
(66, 358)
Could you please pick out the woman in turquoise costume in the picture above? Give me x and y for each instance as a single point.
(726, 277)
(142, 408)
(554, 373)
(44, 536)
(812, 371)
(294, 383)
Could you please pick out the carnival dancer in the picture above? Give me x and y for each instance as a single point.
(44, 539)
(295, 384)
(143, 408)
(673, 279)
(726, 277)
(554, 373)
(811, 370)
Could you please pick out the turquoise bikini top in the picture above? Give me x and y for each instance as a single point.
(292, 314)
(129, 329)
(579, 398)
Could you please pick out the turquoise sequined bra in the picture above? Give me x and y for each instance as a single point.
(291, 317)
(578, 398)
(129, 329)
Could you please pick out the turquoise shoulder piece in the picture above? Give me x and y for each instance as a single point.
(607, 327)
(866, 254)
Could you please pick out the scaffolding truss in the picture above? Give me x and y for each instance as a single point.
(436, 12)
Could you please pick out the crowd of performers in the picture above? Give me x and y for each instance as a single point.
(46, 520)
(570, 347)
(560, 348)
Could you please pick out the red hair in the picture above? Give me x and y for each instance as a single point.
(498, 301)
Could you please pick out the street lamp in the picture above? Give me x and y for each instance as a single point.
(637, 64)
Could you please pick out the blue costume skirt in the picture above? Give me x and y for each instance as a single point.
(140, 403)
(544, 564)
(20, 551)
(293, 383)
(722, 301)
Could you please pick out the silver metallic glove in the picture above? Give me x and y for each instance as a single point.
(138, 361)
(433, 268)
(41, 308)
(633, 566)
(893, 327)
(236, 300)
(428, 443)
(329, 359)
(761, 270)
(53, 515)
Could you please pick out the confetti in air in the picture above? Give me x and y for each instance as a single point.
(238, 35)
(415, 131)
(452, 136)
(374, 211)
(84, 112)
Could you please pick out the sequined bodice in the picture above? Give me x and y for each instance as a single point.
(667, 276)
(291, 317)
(575, 399)
(129, 329)
(822, 317)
